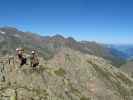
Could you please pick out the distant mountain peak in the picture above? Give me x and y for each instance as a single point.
(9, 28)
(58, 36)
(71, 39)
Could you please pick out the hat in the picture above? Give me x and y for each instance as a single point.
(17, 49)
(33, 52)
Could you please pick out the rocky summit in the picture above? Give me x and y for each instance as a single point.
(69, 75)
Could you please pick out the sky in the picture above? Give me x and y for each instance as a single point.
(104, 21)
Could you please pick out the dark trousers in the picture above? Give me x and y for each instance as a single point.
(23, 61)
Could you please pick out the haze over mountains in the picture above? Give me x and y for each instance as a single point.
(126, 49)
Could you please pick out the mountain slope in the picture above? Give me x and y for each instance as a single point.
(128, 68)
(69, 75)
(11, 38)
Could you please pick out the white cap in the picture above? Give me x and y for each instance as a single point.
(17, 49)
(33, 52)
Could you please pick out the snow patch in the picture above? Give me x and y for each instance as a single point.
(16, 35)
(2, 32)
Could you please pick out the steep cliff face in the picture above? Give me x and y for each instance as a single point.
(69, 75)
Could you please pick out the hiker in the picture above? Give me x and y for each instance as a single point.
(34, 59)
(20, 56)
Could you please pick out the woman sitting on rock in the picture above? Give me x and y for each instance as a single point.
(34, 59)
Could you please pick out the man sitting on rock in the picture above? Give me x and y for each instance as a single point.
(20, 56)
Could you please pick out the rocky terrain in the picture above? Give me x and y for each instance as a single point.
(69, 75)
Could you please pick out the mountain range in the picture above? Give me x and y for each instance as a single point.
(11, 38)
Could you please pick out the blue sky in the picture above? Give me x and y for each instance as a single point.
(105, 21)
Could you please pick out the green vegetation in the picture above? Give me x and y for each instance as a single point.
(84, 98)
(13, 97)
(60, 72)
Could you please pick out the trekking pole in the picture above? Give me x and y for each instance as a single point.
(3, 66)
(13, 61)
